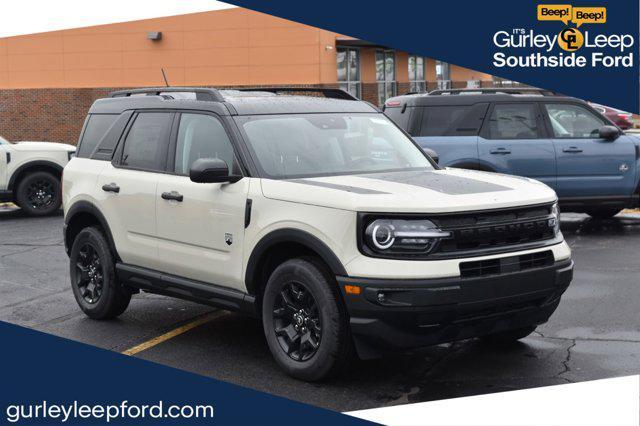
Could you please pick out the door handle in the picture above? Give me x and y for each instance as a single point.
(111, 187)
(173, 195)
(502, 151)
(572, 149)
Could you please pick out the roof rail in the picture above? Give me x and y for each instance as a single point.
(327, 92)
(202, 93)
(496, 90)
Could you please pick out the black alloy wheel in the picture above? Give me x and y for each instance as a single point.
(89, 274)
(94, 281)
(297, 322)
(40, 194)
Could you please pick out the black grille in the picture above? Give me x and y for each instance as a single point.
(506, 264)
(489, 230)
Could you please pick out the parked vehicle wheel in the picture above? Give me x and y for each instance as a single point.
(93, 278)
(304, 321)
(509, 336)
(39, 194)
(603, 213)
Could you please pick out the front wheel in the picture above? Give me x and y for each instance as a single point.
(304, 321)
(39, 194)
(93, 277)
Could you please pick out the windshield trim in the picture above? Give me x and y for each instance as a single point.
(239, 121)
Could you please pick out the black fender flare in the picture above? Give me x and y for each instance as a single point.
(30, 164)
(290, 235)
(80, 207)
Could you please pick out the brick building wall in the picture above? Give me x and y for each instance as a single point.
(55, 115)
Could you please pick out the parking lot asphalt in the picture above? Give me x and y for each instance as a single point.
(595, 333)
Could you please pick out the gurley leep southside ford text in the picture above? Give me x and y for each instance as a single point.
(529, 39)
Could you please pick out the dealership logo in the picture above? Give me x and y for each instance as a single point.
(572, 47)
(570, 39)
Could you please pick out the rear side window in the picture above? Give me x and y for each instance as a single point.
(145, 147)
(514, 121)
(95, 129)
(452, 120)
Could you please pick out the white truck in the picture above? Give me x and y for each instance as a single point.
(30, 174)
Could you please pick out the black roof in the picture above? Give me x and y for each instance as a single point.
(233, 102)
(473, 96)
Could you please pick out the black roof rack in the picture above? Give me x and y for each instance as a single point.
(202, 94)
(327, 92)
(496, 90)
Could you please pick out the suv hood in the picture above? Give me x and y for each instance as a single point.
(436, 191)
(42, 146)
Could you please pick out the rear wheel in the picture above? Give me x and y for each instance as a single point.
(509, 336)
(304, 321)
(93, 278)
(603, 213)
(39, 194)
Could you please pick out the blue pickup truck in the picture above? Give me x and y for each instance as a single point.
(561, 141)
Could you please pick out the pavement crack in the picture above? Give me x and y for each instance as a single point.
(30, 245)
(566, 362)
(18, 252)
(585, 339)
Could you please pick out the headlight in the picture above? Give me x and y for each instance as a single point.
(399, 236)
(555, 213)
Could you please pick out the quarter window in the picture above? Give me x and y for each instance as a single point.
(201, 136)
(385, 74)
(514, 121)
(417, 82)
(349, 70)
(573, 121)
(146, 144)
(96, 128)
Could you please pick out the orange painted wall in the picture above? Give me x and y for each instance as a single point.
(227, 47)
(224, 48)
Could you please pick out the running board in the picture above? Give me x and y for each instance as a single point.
(184, 288)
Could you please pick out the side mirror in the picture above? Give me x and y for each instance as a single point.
(608, 133)
(431, 153)
(211, 170)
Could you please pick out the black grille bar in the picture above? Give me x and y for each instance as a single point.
(505, 265)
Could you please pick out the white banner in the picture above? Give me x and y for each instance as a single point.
(600, 402)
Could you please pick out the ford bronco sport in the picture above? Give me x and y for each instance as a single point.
(564, 142)
(30, 174)
(316, 214)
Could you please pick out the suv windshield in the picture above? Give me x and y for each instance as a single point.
(3, 141)
(307, 145)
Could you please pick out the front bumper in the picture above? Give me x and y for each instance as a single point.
(415, 313)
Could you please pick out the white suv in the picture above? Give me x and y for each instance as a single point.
(30, 174)
(319, 216)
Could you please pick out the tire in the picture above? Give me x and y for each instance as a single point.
(91, 259)
(603, 213)
(39, 194)
(509, 336)
(311, 280)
